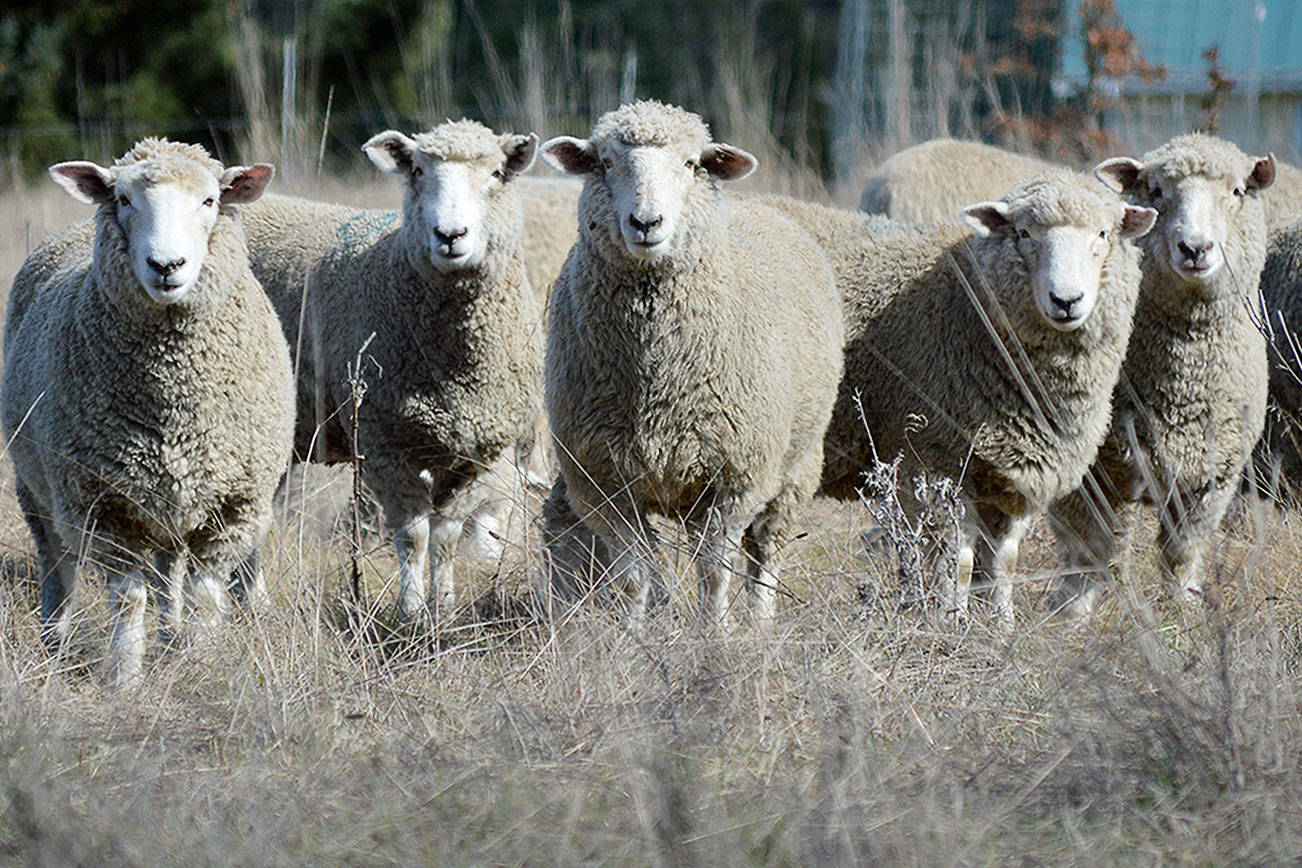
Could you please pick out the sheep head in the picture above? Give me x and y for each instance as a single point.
(646, 165)
(457, 177)
(1199, 185)
(166, 197)
(1063, 227)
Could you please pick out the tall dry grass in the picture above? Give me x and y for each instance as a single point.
(852, 734)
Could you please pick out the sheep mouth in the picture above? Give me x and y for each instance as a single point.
(644, 249)
(1065, 321)
(165, 291)
(1190, 270)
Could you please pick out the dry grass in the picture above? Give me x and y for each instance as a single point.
(1150, 735)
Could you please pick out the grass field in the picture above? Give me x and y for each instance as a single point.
(852, 734)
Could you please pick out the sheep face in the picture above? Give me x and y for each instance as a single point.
(1064, 260)
(166, 207)
(1198, 205)
(637, 196)
(452, 194)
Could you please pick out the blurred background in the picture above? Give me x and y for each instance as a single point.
(821, 90)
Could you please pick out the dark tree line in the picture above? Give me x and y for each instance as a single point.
(86, 77)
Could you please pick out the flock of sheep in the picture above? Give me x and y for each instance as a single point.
(1073, 345)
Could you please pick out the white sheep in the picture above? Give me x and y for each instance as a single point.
(933, 181)
(550, 228)
(454, 371)
(988, 358)
(1279, 453)
(1191, 400)
(147, 390)
(693, 352)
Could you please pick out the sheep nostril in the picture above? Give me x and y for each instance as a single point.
(451, 235)
(165, 268)
(1196, 252)
(644, 227)
(1064, 304)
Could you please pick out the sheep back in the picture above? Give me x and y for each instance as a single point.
(933, 181)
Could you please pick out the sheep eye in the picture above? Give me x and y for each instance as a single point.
(1155, 191)
(209, 202)
(607, 164)
(417, 171)
(692, 164)
(124, 202)
(1103, 233)
(1022, 233)
(1238, 191)
(499, 175)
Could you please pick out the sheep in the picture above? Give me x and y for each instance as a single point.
(1280, 450)
(147, 392)
(693, 352)
(550, 228)
(931, 182)
(1191, 400)
(454, 370)
(1283, 200)
(988, 358)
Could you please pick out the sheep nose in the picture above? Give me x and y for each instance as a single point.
(1194, 252)
(1064, 305)
(642, 227)
(449, 236)
(165, 268)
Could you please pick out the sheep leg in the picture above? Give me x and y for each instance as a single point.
(128, 595)
(494, 520)
(1000, 545)
(719, 542)
(57, 576)
(443, 535)
(1087, 528)
(1186, 524)
(249, 584)
(411, 539)
(171, 568)
(573, 554)
(958, 588)
(760, 547)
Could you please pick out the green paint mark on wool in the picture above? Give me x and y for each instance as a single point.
(361, 230)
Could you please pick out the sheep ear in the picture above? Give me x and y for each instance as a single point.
(520, 152)
(986, 217)
(391, 151)
(243, 184)
(726, 162)
(1119, 173)
(1136, 221)
(84, 181)
(570, 156)
(1263, 173)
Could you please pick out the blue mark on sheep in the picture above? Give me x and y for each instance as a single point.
(365, 227)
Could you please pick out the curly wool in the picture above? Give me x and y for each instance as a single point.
(167, 158)
(463, 140)
(155, 426)
(651, 123)
(1281, 296)
(1196, 154)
